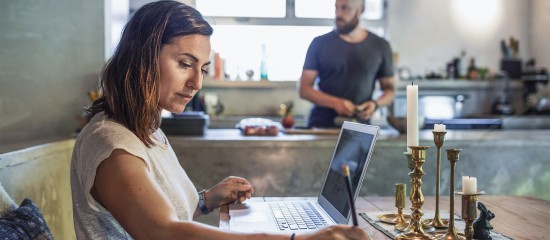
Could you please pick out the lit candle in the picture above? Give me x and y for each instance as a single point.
(439, 127)
(412, 116)
(469, 185)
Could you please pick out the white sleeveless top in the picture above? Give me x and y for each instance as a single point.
(94, 144)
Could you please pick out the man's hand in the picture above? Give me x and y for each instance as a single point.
(366, 110)
(344, 107)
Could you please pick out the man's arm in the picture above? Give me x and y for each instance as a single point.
(388, 93)
(306, 91)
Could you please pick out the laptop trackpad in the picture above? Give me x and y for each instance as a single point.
(250, 217)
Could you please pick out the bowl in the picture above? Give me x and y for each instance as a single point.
(400, 123)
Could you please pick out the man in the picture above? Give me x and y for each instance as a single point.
(346, 63)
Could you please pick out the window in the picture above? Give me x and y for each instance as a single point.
(243, 8)
(325, 9)
(283, 28)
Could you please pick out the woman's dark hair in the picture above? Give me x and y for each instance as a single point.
(130, 79)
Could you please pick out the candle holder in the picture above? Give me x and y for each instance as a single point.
(415, 227)
(452, 156)
(410, 163)
(398, 219)
(439, 139)
(404, 227)
(469, 211)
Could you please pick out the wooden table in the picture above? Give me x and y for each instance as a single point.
(516, 217)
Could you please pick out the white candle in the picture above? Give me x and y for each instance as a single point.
(469, 185)
(412, 116)
(439, 127)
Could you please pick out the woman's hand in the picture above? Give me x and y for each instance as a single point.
(229, 190)
(336, 232)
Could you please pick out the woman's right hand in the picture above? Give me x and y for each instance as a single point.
(336, 232)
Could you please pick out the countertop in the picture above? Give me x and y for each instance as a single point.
(490, 137)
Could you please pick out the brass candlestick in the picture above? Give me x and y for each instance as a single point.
(400, 194)
(416, 196)
(452, 155)
(469, 211)
(404, 227)
(439, 139)
(399, 218)
(410, 163)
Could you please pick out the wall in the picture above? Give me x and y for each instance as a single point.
(429, 33)
(540, 20)
(51, 54)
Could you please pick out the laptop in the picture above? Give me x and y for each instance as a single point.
(354, 146)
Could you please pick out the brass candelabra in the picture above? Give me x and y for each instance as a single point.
(452, 156)
(439, 139)
(417, 198)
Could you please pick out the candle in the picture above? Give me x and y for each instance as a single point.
(469, 185)
(439, 127)
(412, 116)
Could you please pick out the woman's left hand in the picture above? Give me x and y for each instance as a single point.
(230, 190)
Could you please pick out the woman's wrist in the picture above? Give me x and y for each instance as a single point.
(202, 203)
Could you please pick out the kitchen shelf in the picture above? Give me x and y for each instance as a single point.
(456, 84)
(210, 84)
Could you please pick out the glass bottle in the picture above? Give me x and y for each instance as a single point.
(263, 63)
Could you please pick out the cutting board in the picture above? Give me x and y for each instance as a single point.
(314, 131)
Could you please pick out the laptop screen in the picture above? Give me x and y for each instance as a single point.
(353, 148)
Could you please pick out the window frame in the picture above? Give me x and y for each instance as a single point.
(291, 20)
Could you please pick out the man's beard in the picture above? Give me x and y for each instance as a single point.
(348, 27)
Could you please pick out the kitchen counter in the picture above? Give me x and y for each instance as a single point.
(292, 165)
(233, 137)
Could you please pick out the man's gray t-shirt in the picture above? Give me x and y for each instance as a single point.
(346, 70)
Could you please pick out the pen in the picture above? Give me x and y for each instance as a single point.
(345, 168)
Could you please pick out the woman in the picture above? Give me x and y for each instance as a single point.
(126, 180)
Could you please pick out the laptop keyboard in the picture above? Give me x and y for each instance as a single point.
(297, 215)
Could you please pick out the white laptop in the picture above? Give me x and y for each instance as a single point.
(354, 146)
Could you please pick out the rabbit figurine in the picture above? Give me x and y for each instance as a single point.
(482, 227)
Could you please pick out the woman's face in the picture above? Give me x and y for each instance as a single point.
(183, 64)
